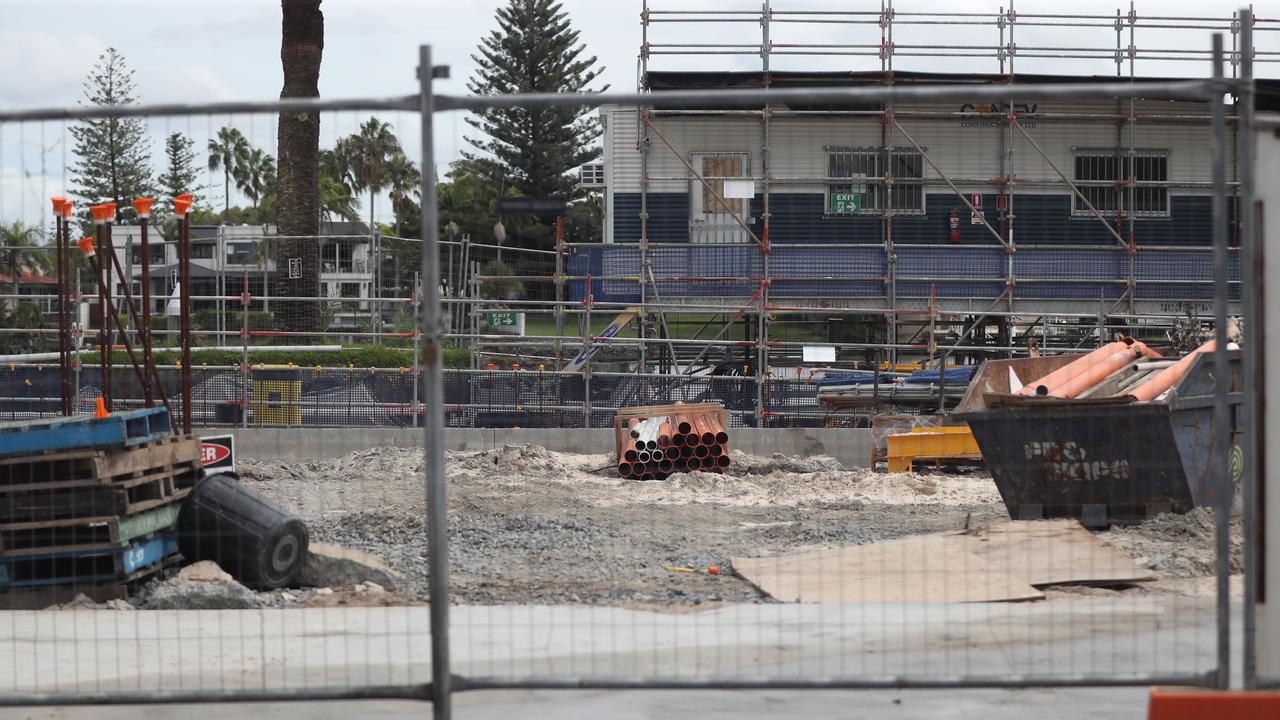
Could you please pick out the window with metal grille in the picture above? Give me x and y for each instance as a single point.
(883, 181)
(1117, 183)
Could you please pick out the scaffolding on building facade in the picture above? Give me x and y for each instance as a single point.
(899, 314)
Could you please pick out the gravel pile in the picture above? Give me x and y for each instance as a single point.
(1178, 546)
(532, 526)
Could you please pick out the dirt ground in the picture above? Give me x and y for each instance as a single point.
(532, 526)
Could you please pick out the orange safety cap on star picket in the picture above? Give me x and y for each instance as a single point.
(68, 209)
(86, 246)
(58, 202)
(143, 206)
(102, 212)
(182, 204)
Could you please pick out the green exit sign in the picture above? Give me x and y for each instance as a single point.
(500, 319)
(846, 203)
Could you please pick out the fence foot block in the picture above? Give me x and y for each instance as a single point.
(1211, 705)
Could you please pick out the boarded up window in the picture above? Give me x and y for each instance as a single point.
(718, 166)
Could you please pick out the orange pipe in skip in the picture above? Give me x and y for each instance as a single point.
(1165, 379)
(1096, 372)
(1071, 369)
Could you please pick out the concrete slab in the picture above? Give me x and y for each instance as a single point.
(1055, 704)
(100, 651)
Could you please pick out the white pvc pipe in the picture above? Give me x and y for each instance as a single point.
(46, 356)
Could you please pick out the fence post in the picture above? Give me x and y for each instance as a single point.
(433, 465)
(1221, 420)
(1252, 359)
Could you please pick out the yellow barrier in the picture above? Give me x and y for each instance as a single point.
(277, 396)
(931, 443)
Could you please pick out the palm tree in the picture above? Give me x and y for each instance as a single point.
(255, 175)
(404, 184)
(226, 152)
(22, 252)
(336, 199)
(367, 154)
(336, 202)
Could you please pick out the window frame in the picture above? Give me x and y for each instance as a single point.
(1081, 211)
(877, 189)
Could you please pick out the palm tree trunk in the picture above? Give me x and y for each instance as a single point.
(226, 192)
(298, 142)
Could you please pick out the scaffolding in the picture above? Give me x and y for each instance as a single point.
(950, 37)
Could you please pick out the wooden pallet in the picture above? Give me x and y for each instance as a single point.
(89, 533)
(625, 414)
(118, 429)
(42, 596)
(86, 567)
(134, 493)
(91, 466)
(85, 534)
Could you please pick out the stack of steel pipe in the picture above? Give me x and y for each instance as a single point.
(652, 448)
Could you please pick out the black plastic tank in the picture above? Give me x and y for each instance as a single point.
(256, 540)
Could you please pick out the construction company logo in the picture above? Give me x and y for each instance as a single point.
(996, 114)
(1069, 462)
(217, 452)
(1235, 464)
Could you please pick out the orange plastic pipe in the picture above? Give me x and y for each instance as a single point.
(1096, 372)
(707, 436)
(1166, 378)
(664, 434)
(1071, 369)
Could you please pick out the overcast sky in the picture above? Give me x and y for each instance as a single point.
(229, 49)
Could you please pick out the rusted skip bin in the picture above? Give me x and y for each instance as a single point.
(1109, 460)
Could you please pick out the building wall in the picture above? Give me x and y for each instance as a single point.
(971, 152)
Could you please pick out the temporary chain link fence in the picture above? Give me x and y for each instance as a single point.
(519, 567)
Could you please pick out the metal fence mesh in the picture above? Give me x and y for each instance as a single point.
(826, 321)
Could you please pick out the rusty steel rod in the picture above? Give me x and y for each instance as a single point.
(148, 363)
(184, 309)
(144, 329)
(115, 318)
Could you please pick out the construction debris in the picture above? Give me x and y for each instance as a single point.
(200, 586)
(1008, 561)
(651, 443)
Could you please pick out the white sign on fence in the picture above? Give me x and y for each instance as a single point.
(819, 354)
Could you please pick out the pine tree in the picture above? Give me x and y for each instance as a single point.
(534, 49)
(113, 155)
(180, 174)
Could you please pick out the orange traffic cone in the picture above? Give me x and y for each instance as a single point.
(99, 409)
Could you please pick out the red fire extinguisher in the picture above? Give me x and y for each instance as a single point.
(953, 226)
